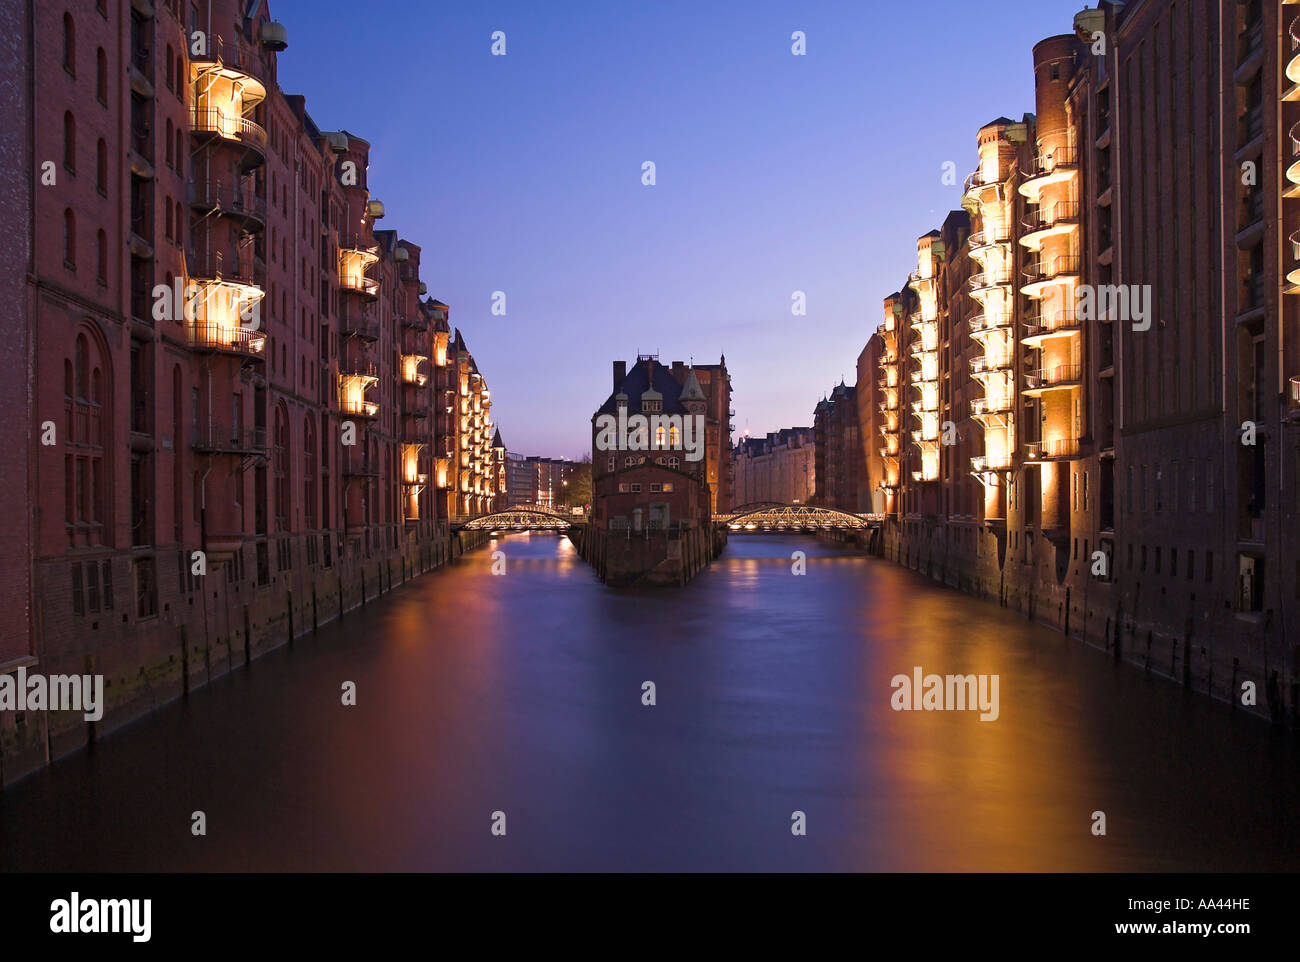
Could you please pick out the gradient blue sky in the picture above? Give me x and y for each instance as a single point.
(775, 173)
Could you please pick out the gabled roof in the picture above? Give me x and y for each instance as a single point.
(638, 381)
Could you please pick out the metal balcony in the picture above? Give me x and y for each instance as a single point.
(989, 280)
(1059, 218)
(228, 200)
(1041, 326)
(1057, 449)
(1052, 167)
(218, 439)
(224, 339)
(211, 122)
(1060, 377)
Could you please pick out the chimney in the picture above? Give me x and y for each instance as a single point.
(620, 372)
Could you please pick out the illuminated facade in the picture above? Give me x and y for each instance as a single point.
(247, 382)
(1117, 351)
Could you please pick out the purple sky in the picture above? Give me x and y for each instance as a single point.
(775, 173)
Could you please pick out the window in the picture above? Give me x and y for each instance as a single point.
(636, 489)
(674, 462)
(171, 68)
(69, 239)
(628, 462)
(101, 167)
(167, 144)
(612, 464)
(69, 45)
(69, 141)
(180, 151)
(146, 589)
(668, 486)
(655, 487)
(101, 76)
(101, 257)
(1209, 567)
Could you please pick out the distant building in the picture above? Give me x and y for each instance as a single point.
(714, 381)
(520, 486)
(779, 467)
(837, 451)
(656, 487)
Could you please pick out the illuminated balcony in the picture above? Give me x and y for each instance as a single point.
(986, 323)
(991, 407)
(355, 257)
(1040, 275)
(981, 242)
(224, 71)
(1040, 225)
(889, 453)
(356, 465)
(1045, 326)
(990, 364)
(1057, 449)
(1293, 167)
(926, 436)
(354, 379)
(979, 182)
(1056, 166)
(411, 373)
(984, 281)
(1293, 275)
(1062, 377)
(215, 123)
(888, 405)
(224, 339)
(358, 321)
(229, 200)
(1293, 62)
(922, 284)
(983, 463)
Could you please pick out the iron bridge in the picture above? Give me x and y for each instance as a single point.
(769, 516)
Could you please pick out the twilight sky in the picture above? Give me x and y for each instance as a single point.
(775, 173)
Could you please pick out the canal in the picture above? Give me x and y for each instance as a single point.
(521, 693)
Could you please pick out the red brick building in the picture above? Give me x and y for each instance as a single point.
(1109, 329)
(245, 415)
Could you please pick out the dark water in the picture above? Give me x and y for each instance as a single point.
(521, 693)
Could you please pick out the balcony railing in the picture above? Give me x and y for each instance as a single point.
(1053, 449)
(360, 467)
(229, 127)
(986, 364)
(986, 280)
(983, 463)
(1061, 374)
(208, 336)
(359, 284)
(228, 199)
(986, 323)
(1065, 265)
(982, 406)
(1062, 212)
(358, 407)
(1043, 323)
(215, 266)
(225, 439)
(1059, 158)
(989, 238)
(978, 181)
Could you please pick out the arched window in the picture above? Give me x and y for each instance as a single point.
(178, 482)
(167, 225)
(180, 79)
(171, 68)
(101, 257)
(69, 239)
(85, 477)
(281, 469)
(674, 462)
(660, 436)
(309, 472)
(69, 45)
(167, 144)
(180, 150)
(613, 463)
(672, 436)
(628, 462)
(101, 166)
(180, 223)
(69, 141)
(101, 76)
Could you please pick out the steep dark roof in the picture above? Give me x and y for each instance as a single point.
(999, 122)
(496, 440)
(637, 382)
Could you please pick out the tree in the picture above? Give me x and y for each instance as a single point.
(577, 492)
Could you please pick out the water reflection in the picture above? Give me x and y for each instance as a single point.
(521, 693)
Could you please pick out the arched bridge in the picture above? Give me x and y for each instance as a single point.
(517, 518)
(769, 516)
